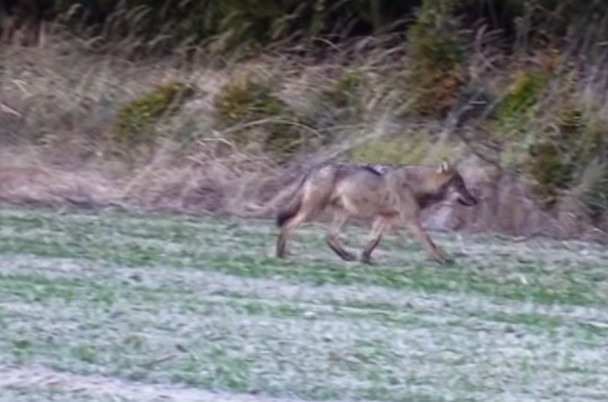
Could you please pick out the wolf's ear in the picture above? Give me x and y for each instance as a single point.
(444, 167)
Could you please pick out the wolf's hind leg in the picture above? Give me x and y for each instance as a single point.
(332, 238)
(289, 226)
(379, 225)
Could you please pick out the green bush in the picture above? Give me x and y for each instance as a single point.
(250, 111)
(574, 157)
(521, 97)
(570, 121)
(550, 169)
(595, 157)
(341, 101)
(595, 196)
(553, 159)
(136, 119)
(246, 100)
(437, 55)
(345, 90)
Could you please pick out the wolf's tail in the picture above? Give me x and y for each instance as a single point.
(292, 207)
(253, 209)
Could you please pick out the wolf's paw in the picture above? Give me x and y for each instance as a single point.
(445, 260)
(349, 257)
(365, 259)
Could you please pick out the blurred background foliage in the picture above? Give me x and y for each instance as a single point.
(259, 22)
(539, 65)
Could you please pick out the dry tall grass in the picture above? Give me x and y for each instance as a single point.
(59, 102)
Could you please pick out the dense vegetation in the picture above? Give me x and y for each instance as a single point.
(258, 22)
(522, 83)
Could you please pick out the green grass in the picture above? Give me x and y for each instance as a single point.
(235, 248)
(160, 301)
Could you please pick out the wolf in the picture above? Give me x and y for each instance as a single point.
(385, 194)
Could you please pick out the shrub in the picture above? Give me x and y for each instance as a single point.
(521, 96)
(245, 100)
(595, 158)
(573, 157)
(345, 91)
(136, 119)
(437, 54)
(595, 194)
(341, 101)
(550, 170)
(252, 112)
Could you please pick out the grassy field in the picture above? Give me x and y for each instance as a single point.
(115, 306)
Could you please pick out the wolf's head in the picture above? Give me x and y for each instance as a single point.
(454, 185)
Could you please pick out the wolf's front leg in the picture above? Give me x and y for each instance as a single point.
(435, 252)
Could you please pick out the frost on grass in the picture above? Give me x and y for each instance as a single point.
(40, 384)
(190, 304)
